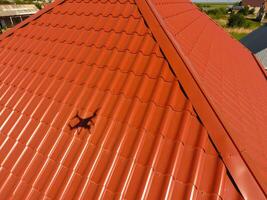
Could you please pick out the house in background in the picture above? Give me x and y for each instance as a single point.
(260, 7)
(253, 3)
(10, 15)
(256, 42)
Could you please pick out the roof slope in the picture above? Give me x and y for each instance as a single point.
(146, 141)
(225, 82)
(257, 43)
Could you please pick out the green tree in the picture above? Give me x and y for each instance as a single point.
(244, 11)
(238, 20)
(217, 13)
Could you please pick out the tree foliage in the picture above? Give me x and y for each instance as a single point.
(238, 20)
(244, 11)
(217, 13)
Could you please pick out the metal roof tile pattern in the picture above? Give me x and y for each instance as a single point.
(231, 83)
(146, 139)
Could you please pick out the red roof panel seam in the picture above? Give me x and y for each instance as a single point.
(96, 30)
(161, 133)
(110, 92)
(98, 47)
(100, 14)
(94, 65)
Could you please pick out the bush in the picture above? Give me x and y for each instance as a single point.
(238, 3)
(4, 2)
(38, 5)
(238, 20)
(244, 11)
(217, 12)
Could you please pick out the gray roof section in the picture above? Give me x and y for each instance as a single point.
(13, 10)
(262, 57)
(256, 42)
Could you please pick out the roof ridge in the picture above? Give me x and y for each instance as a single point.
(99, 14)
(217, 130)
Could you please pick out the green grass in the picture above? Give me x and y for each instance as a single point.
(254, 24)
(4, 2)
(214, 10)
(238, 36)
(213, 5)
(218, 12)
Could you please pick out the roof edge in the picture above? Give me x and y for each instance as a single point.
(259, 64)
(243, 176)
(30, 19)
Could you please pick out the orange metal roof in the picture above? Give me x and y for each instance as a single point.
(225, 83)
(146, 139)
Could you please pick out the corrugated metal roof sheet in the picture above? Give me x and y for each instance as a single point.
(13, 10)
(146, 142)
(146, 139)
(225, 83)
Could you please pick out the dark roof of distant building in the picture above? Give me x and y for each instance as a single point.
(179, 114)
(256, 42)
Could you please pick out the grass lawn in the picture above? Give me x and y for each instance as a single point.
(221, 16)
(237, 35)
(213, 5)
